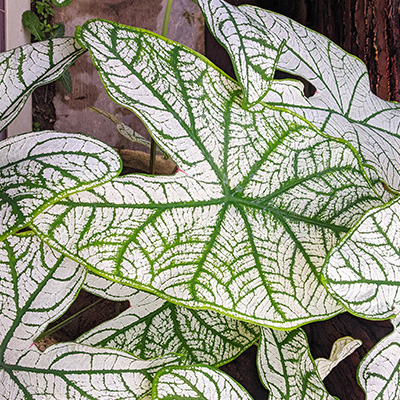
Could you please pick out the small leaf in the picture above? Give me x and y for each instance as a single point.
(59, 30)
(286, 367)
(342, 348)
(126, 131)
(379, 371)
(36, 286)
(66, 81)
(343, 105)
(61, 3)
(196, 383)
(363, 270)
(152, 328)
(38, 168)
(31, 21)
(25, 68)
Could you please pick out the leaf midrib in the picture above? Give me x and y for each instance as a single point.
(199, 144)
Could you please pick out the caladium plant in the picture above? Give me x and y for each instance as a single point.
(262, 224)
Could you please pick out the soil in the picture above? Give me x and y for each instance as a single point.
(43, 111)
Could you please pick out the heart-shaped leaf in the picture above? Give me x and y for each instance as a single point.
(379, 371)
(38, 168)
(363, 270)
(36, 286)
(286, 367)
(152, 328)
(244, 230)
(25, 68)
(343, 105)
(196, 383)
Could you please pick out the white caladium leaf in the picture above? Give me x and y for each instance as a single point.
(343, 105)
(74, 371)
(286, 367)
(363, 270)
(152, 327)
(36, 286)
(244, 230)
(38, 168)
(25, 68)
(342, 348)
(379, 371)
(197, 382)
(253, 53)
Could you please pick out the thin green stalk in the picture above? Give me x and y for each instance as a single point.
(164, 32)
(68, 320)
(167, 14)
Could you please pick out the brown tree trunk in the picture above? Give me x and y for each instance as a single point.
(369, 29)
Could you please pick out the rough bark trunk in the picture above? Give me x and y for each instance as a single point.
(369, 29)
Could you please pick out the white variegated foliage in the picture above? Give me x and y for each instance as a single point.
(26, 67)
(152, 327)
(379, 371)
(343, 105)
(196, 383)
(73, 371)
(36, 286)
(342, 348)
(363, 271)
(254, 54)
(38, 168)
(244, 230)
(286, 367)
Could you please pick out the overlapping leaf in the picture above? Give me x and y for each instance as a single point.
(73, 371)
(25, 68)
(196, 383)
(286, 367)
(342, 348)
(254, 54)
(379, 371)
(343, 105)
(245, 228)
(36, 286)
(38, 168)
(364, 270)
(152, 327)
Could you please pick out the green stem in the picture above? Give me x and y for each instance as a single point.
(164, 32)
(67, 321)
